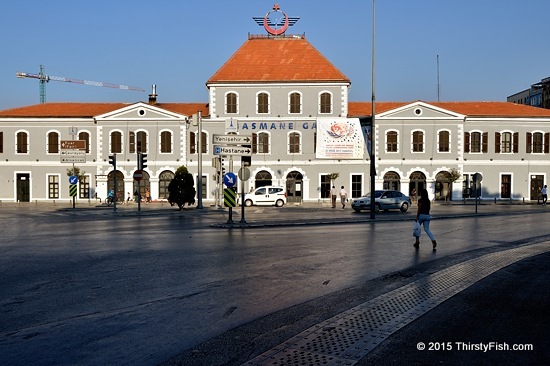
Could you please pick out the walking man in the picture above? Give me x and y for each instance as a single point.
(544, 193)
(333, 194)
(343, 197)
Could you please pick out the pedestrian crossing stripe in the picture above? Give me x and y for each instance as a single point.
(72, 190)
(229, 197)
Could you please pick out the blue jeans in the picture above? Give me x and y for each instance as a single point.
(424, 220)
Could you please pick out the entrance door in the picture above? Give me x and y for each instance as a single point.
(418, 183)
(294, 187)
(537, 181)
(23, 187)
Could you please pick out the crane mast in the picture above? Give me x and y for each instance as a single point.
(43, 79)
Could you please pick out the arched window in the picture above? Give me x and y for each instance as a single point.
(392, 181)
(294, 143)
(231, 103)
(443, 141)
(85, 136)
(325, 103)
(260, 143)
(141, 142)
(193, 147)
(262, 105)
(116, 142)
(22, 143)
(164, 180)
(391, 141)
(295, 101)
(53, 143)
(263, 178)
(418, 141)
(166, 142)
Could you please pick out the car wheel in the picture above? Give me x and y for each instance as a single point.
(279, 203)
(404, 207)
(377, 207)
(357, 209)
(248, 203)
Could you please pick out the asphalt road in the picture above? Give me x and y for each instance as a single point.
(92, 287)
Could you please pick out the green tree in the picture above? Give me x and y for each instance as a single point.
(182, 188)
(76, 171)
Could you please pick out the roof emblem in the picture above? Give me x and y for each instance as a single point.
(276, 22)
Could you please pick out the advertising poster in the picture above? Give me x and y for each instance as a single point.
(339, 138)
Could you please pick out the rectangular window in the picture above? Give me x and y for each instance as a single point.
(538, 143)
(132, 142)
(476, 142)
(356, 185)
(53, 186)
(325, 186)
(116, 142)
(263, 143)
(84, 187)
(506, 142)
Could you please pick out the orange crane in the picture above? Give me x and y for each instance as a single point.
(43, 79)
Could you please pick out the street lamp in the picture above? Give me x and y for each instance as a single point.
(373, 111)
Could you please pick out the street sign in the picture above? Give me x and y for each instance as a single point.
(73, 144)
(232, 139)
(232, 150)
(72, 153)
(244, 174)
(229, 197)
(229, 179)
(72, 190)
(71, 159)
(73, 179)
(138, 175)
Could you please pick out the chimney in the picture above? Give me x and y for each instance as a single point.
(153, 96)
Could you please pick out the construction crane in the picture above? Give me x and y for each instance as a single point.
(43, 79)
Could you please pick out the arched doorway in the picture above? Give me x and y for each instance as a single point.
(263, 178)
(144, 184)
(443, 186)
(294, 187)
(119, 184)
(417, 183)
(392, 181)
(164, 180)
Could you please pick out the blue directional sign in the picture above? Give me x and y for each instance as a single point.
(73, 179)
(229, 179)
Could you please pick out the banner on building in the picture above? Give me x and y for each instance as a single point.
(339, 138)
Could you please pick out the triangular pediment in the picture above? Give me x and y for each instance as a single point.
(419, 110)
(140, 111)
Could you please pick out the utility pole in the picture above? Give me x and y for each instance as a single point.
(373, 112)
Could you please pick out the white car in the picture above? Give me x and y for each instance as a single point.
(267, 195)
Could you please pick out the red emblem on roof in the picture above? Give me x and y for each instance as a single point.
(276, 22)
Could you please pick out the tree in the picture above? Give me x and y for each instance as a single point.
(76, 172)
(182, 188)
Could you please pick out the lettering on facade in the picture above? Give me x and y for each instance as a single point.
(278, 125)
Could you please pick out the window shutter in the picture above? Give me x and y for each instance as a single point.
(515, 147)
(485, 142)
(466, 142)
(497, 142)
(547, 143)
(528, 142)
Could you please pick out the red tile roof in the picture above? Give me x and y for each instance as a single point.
(89, 110)
(283, 60)
(470, 109)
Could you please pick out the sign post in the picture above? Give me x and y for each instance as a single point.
(229, 194)
(73, 180)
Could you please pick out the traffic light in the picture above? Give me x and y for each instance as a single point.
(142, 162)
(112, 159)
(223, 166)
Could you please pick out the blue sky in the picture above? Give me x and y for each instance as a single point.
(488, 49)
